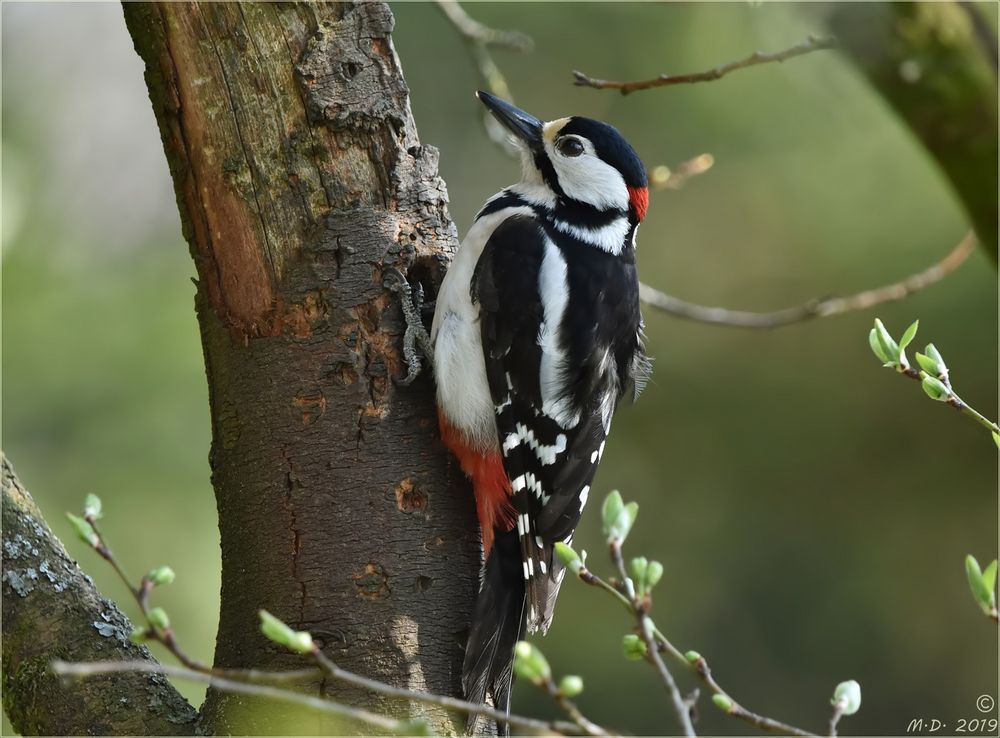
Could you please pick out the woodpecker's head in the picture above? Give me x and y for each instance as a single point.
(576, 159)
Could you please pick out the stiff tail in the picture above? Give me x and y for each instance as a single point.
(497, 625)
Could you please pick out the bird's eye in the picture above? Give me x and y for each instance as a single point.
(570, 147)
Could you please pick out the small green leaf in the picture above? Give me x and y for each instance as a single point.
(934, 387)
(722, 702)
(530, 664)
(926, 363)
(889, 347)
(294, 640)
(634, 647)
(908, 336)
(570, 685)
(985, 594)
(653, 575)
(610, 510)
(847, 696)
(619, 530)
(92, 507)
(161, 575)
(84, 530)
(692, 656)
(990, 579)
(157, 617)
(996, 438)
(569, 558)
(880, 354)
(932, 352)
(138, 635)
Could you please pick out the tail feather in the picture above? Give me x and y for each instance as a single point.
(497, 625)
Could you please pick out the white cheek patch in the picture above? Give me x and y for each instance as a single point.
(589, 179)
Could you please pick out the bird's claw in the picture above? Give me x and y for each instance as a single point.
(411, 300)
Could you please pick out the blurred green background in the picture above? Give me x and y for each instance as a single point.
(811, 510)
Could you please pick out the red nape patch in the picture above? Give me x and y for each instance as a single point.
(489, 482)
(639, 197)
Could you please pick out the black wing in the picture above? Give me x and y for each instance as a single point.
(552, 441)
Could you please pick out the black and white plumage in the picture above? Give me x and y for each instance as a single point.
(537, 336)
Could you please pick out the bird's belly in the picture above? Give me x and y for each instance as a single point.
(463, 394)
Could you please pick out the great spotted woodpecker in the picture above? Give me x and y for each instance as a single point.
(536, 336)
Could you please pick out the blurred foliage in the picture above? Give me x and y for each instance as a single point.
(808, 512)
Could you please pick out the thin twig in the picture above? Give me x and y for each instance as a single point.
(473, 30)
(953, 399)
(823, 308)
(811, 44)
(652, 652)
(64, 668)
(248, 679)
(699, 666)
(479, 39)
(664, 178)
(469, 708)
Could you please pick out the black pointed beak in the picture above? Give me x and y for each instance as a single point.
(526, 127)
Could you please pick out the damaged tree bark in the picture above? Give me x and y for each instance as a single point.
(300, 179)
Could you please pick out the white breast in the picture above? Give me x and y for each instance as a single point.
(463, 393)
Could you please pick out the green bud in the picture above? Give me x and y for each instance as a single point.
(653, 574)
(984, 591)
(138, 635)
(92, 507)
(638, 567)
(294, 640)
(935, 355)
(634, 647)
(887, 345)
(157, 617)
(610, 510)
(619, 530)
(530, 664)
(692, 657)
(927, 364)
(934, 387)
(569, 558)
(722, 702)
(161, 576)
(570, 685)
(877, 349)
(847, 696)
(84, 530)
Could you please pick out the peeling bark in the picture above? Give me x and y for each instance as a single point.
(299, 177)
(52, 610)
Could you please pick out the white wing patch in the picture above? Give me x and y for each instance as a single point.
(554, 290)
(546, 453)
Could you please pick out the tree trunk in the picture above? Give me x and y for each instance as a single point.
(935, 64)
(51, 610)
(300, 179)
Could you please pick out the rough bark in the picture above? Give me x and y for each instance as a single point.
(52, 610)
(300, 178)
(935, 63)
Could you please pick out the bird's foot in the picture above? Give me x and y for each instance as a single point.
(411, 300)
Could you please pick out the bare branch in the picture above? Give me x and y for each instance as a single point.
(63, 668)
(474, 31)
(665, 178)
(811, 44)
(646, 628)
(823, 308)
